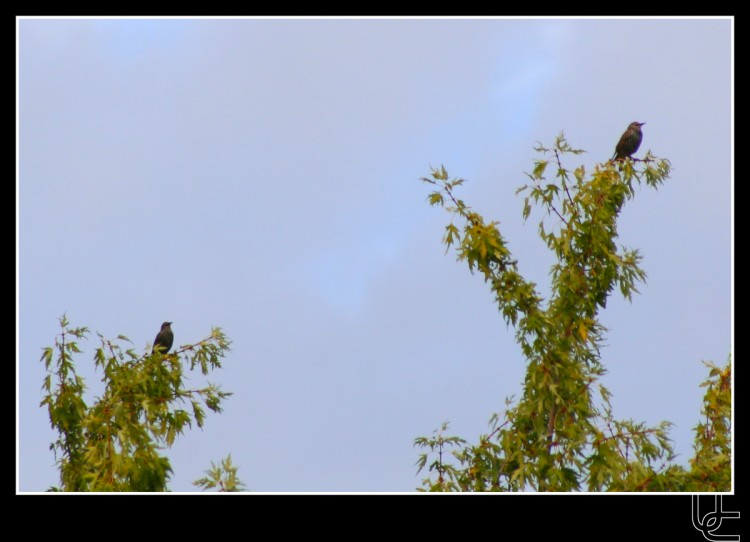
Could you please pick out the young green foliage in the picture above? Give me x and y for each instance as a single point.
(561, 434)
(711, 467)
(222, 476)
(114, 443)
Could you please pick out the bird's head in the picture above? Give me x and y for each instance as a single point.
(166, 325)
(636, 125)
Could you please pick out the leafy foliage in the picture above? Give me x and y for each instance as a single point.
(711, 468)
(222, 476)
(561, 435)
(114, 443)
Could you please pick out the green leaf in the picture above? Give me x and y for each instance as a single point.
(539, 168)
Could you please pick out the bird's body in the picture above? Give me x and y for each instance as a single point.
(629, 142)
(164, 339)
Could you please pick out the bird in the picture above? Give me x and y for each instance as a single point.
(164, 339)
(629, 142)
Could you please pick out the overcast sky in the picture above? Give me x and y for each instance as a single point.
(262, 176)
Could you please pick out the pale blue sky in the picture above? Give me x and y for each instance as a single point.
(262, 176)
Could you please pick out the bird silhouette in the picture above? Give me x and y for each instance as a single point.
(164, 339)
(629, 142)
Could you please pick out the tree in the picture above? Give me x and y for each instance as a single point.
(224, 476)
(561, 435)
(115, 443)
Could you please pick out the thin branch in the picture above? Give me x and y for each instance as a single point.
(565, 185)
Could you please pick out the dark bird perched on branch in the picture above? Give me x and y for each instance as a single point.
(629, 142)
(164, 339)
